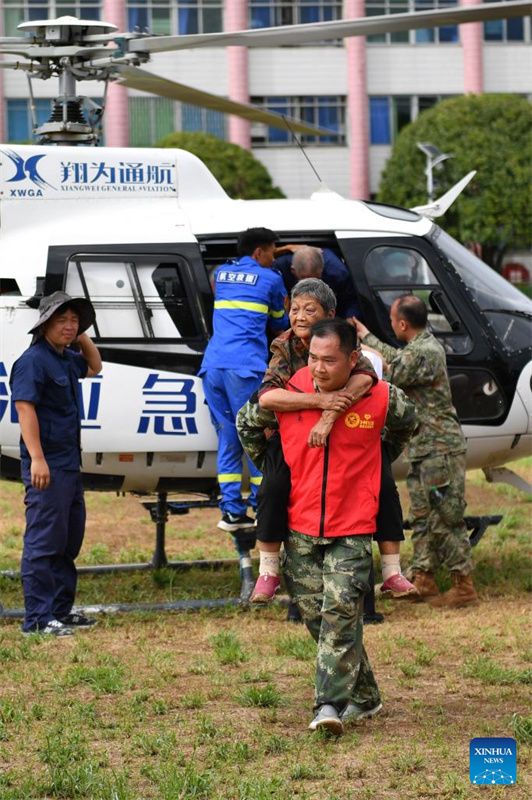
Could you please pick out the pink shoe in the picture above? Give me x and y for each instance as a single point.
(265, 588)
(398, 587)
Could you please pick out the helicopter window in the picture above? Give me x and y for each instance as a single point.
(514, 332)
(396, 271)
(135, 298)
(476, 394)
(490, 290)
(9, 287)
(398, 265)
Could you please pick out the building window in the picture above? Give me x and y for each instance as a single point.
(443, 35)
(202, 120)
(505, 30)
(175, 16)
(17, 11)
(270, 13)
(388, 115)
(152, 118)
(327, 112)
(19, 119)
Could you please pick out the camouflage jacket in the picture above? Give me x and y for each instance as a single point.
(289, 354)
(420, 369)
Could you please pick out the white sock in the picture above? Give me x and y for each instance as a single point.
(390, 565)
(269, 563)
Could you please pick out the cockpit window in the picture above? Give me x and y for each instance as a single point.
(489, 289)
(393, 271)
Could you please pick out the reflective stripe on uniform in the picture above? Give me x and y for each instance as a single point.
(242, 305)
(277, 314)
(256, 481)
(230, 477)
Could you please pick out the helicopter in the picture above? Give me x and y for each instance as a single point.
(138, 232)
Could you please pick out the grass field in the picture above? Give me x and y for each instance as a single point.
(214, 705)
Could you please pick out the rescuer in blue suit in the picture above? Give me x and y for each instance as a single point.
(248, 298)
(296, 262)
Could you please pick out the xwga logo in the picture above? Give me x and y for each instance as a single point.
(493, 761)
(26, 169)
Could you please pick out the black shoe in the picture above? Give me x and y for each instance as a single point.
(78, 621)
(52, 628)
(294, 615)
(235, 522)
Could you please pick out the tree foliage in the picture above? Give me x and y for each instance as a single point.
(491, 133)
(237, 170)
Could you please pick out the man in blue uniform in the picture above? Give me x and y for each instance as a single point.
(296, 262)
(44, 385)
(249, 298)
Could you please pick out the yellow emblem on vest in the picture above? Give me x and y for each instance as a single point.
(352, 420)
(367, 422)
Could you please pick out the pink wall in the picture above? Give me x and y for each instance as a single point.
(471, 36)
(236, 19)
(116, 117)
(357, 106)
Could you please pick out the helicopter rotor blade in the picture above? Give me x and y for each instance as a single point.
(339, 29)
(135, 78)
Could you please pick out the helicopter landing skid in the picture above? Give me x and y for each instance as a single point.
(505, 475)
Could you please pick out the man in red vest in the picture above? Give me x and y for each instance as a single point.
(332, 517)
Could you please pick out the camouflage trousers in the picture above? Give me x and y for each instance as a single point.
(327, 578)
(437, 504)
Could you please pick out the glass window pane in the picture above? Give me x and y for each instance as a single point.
(212, 20)
(138, 19)
(402, 113)
(515, 31)
(448, 33)
(398, 266)
(493, 30)
(163, 117)
(188, 20)
(12, 18)
(160, 21)
(379, 110)
(425, 36)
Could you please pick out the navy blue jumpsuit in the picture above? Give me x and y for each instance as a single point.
(55, 517)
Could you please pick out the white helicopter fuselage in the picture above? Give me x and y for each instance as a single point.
(137, 231)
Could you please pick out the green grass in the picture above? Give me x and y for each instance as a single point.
(488, 671)
(216, 703)
(228, 648)
(260, 696)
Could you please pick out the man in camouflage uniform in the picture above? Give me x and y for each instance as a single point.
(332, 515)
(436, 479)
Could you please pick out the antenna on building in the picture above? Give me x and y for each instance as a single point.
(294, 137)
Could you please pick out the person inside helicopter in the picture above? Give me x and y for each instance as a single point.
(298, 261)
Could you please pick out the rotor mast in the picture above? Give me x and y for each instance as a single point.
(61, 47)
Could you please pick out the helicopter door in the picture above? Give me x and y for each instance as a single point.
(390, 267)
(387, 269)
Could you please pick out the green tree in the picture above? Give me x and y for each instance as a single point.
(491, 133)
(236, 169)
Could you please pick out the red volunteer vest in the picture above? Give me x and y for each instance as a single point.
(335, 489)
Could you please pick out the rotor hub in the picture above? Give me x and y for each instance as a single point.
(66, 30)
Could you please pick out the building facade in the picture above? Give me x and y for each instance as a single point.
(364, 90)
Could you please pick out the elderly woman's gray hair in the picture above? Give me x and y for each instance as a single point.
(323, 294)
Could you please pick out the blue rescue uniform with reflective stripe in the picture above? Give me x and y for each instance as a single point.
(248, 299)
(55, 517)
